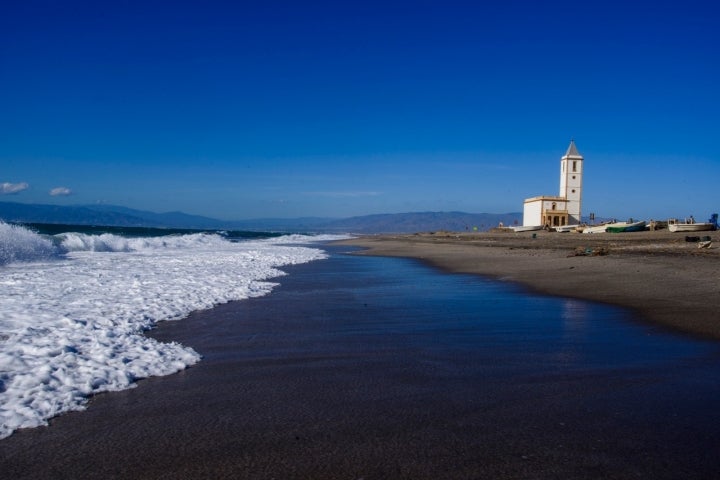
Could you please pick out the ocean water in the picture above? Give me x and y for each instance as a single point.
(75, 301)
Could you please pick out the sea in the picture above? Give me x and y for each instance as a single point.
(75, 301)
(310, 362)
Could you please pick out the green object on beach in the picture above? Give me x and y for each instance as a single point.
(626, 227)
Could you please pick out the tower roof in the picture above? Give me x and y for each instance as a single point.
(572, 150)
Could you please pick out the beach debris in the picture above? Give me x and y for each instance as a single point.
(703, 242)
(589, 252)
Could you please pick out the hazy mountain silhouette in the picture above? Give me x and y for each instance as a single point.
(114, 215)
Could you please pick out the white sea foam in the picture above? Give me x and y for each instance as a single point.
(73, 308)
(18, 244)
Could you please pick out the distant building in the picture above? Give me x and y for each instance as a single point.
(566, 207)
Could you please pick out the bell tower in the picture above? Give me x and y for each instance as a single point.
(571, 172)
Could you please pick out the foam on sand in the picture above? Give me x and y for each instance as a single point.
(73, 308)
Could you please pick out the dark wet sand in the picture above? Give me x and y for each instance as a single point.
(658, 274)
(383, 368)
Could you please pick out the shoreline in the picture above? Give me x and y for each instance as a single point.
(665, 279)
(371, 367)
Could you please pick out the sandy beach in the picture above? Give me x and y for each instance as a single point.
(660, 275)
(377, 367)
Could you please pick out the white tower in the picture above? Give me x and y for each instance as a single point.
(571, 171)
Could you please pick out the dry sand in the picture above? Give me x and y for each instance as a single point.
(660, 275)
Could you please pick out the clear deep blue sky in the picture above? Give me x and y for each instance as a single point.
(305, 108)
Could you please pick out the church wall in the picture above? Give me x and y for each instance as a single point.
(532, 213)
(566, 207)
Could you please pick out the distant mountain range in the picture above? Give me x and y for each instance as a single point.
(113, 215)
(423, 222)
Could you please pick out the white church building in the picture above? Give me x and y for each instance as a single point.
(564, 209)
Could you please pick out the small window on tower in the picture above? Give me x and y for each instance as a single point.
(574, 166)
(573, 177)
(573, 190)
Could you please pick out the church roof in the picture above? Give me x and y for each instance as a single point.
(572, 150)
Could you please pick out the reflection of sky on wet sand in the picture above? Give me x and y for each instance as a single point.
(574, 314)
(575, 329)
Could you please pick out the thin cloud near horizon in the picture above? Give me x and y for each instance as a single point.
(8, 188)
(343, 194)
(60, 191)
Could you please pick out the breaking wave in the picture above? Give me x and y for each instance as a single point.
(73, 307)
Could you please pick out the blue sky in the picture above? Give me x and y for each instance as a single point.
(253, 109)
